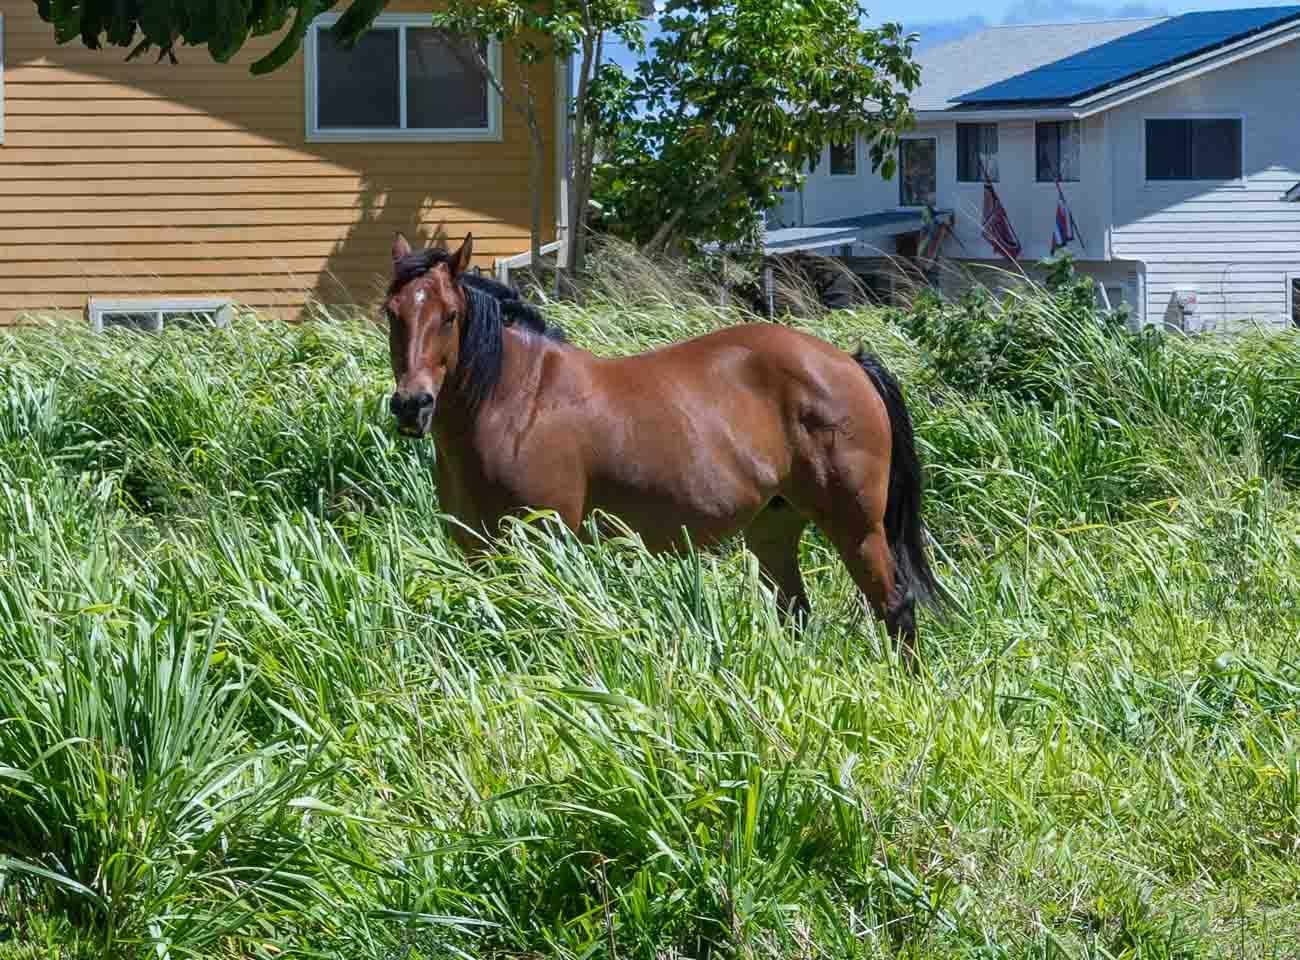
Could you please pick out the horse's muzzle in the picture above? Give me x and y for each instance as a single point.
(413, 412)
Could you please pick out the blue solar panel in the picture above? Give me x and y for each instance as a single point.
(1109, 63)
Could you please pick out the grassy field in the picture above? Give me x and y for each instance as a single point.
(252, 703)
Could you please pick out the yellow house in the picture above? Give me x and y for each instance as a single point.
(190, 186)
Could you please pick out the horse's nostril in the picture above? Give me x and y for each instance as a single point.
(407, 405)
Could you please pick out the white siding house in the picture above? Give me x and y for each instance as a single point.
(1182, 173)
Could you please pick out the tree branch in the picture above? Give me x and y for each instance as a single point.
(479, 63)
(526, 108)
(742, 140)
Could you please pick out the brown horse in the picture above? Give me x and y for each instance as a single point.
(755, 429)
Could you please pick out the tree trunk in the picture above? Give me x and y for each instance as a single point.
(583, 181)
(536, 186)
(537, 189)
(579, 169)
(537, 145)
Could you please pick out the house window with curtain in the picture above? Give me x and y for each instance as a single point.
(1056, 147)
(977, 152)
(918, 172)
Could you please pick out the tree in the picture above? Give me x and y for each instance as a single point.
(539, 30)
(736, 100)
(223, 26)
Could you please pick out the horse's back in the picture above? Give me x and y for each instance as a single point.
(734, 357)
(758, 337)
(750, 394)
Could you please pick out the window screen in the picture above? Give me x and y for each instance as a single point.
(917, 172)
(1056, 146)
(1193, 149)
(444, 90)
(398, 79)
(844, 159)
(358, 88)
(977, 152)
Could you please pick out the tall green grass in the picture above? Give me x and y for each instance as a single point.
(254, 703)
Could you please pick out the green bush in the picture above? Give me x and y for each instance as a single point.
(1049, 346)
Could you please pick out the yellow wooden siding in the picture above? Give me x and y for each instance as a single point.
(148, 179)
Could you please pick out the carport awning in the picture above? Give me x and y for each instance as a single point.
(868, 228)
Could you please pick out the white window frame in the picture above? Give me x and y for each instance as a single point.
(857, 160)
(1168, 184)
(938, 165)
(2, 78)
(492, 132)
(1083, 146)
(98, 307)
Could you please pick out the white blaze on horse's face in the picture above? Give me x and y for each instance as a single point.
(425, 308)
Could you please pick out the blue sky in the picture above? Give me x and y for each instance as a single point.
(938, 21)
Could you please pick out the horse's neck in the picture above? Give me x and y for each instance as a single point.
(521, 357)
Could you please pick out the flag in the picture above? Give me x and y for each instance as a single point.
(932, 237)
(1064, 230)
(1061, 234)
(997, 227)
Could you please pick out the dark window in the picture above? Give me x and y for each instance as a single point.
(977, 152)
(1295, 303)
(444, 88)
(917, 172)
(365, 88)
(358, 88)
(1056, 146)
(132, 321)
(844, 159)
(1193, 149)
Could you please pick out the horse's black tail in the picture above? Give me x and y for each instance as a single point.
(903, 524)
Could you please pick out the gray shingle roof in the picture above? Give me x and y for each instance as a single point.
(1000, 52)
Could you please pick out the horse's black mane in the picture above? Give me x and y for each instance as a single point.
(493, 306)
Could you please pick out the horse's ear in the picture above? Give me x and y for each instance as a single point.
(401, 246)
(460, 259)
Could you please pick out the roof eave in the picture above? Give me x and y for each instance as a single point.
(989, 115)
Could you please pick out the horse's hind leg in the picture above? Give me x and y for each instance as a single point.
(773, 537)
(870, 562)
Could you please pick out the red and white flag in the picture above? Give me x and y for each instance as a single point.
(1064, 230)
(997, 226)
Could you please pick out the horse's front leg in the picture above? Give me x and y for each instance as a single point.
(476, 531)
(472, 541)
